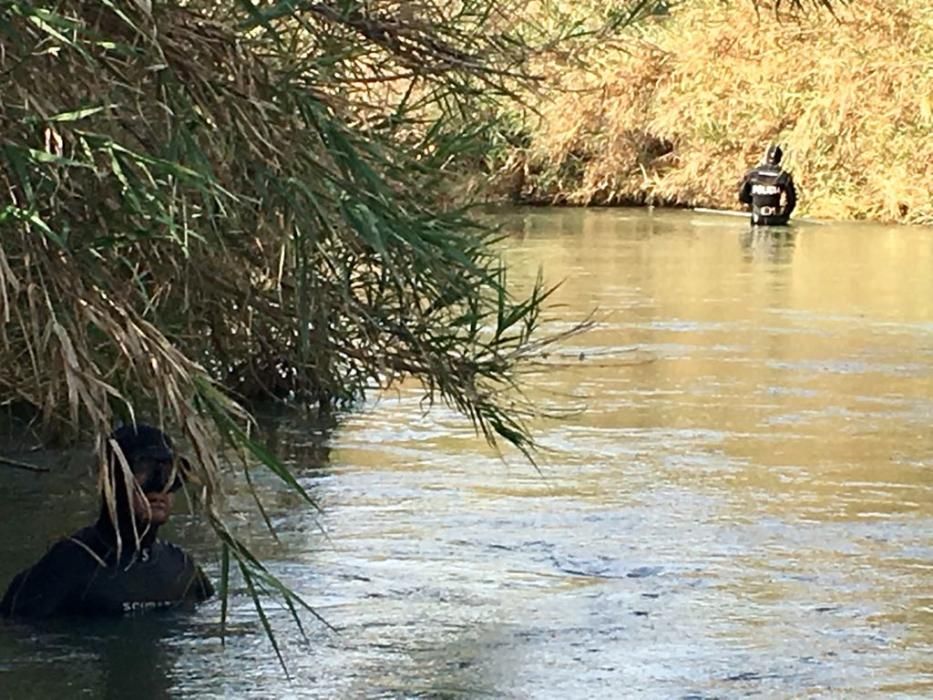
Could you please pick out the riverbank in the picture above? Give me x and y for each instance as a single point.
(677, 114)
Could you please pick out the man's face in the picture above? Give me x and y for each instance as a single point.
(155, 478)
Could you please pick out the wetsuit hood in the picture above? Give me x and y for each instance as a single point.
(143, 444)
(773, 155)
(138, 443)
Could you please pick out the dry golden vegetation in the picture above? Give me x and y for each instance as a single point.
(678, 114)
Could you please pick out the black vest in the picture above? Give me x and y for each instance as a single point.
(767, 184)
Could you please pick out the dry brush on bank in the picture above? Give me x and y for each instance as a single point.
(676, 114)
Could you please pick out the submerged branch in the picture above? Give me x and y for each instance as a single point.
(16, 464)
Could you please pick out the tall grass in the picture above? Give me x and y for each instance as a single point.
(677, 114)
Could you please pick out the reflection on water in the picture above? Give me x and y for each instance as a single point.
(741, 506)
(768, 244)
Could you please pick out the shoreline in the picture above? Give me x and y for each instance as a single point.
(494, 204)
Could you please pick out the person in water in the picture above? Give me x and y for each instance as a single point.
(117, 565)
(769, 189)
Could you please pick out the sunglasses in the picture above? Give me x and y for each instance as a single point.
(155, 475)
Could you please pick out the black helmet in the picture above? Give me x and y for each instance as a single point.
(773, 154)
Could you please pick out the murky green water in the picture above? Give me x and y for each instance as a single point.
(742, 505)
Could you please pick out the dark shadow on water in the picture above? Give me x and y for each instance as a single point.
(93, 658)
(299, 438)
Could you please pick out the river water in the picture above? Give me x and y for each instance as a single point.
(735, 500)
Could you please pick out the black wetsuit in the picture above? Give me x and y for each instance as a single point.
(762, 188)
(81, 575)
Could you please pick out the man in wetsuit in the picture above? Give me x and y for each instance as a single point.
(764, 187)
(117, 565)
